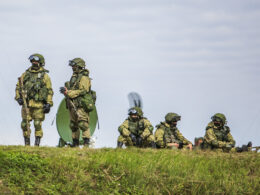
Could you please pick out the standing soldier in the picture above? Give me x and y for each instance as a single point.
(76, 92)
(218, 136)
(136, 130)
(34, 93)
(167, 134)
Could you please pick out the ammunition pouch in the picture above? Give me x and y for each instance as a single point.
(88, 101)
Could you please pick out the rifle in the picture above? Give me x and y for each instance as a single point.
(23, 95)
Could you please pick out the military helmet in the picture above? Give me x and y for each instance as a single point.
(172, 117)
(135, 110)
(219, 117)
(77, 61)
(38, 58)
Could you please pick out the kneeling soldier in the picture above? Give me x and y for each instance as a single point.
(218, 136)
(167, 134)
(136, 130)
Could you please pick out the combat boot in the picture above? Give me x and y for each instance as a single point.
(153, 145)
(119, 144)
(86, 142)
(27, 141)
(37, 141)
(75, 143)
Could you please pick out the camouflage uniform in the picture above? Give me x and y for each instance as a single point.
(38, 94)
(166, 134)
(141, 128)
(77, 87)
(218, 137)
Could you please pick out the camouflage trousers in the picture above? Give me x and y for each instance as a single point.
(79, 121)
(128, 141)
(35, 114)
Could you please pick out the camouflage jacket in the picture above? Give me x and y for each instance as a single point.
(37, 87)
(164, 135)
(78, 86)
(218, 137)
(142, 128)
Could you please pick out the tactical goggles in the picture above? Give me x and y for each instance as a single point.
(34, 58)
(72, 63)
(132, 111)
(216, 119)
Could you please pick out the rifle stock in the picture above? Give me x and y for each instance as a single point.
(23, 95)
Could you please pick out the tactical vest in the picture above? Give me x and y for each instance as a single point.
(35, 86)
(86, 100)
(169, 134)
(221, 134)
(136, 127)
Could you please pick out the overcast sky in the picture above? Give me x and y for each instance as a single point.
(195, 58)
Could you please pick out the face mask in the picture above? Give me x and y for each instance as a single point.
(217, 124)
(35, 66)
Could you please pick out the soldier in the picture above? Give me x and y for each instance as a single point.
(136, 130)
(75, 92)
(218, 136)
(167, 134)
(34, 93)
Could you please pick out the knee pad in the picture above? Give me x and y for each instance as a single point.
(73, 127)
(24, 125)
(37, 125)
(83, 125)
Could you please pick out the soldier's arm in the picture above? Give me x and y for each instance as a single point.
(148, 129)
(182, 138)
(231, 140)
(84, 87)
(17, 89)
(159, 133)
(47, 81)
(123, 129)
(211, 139)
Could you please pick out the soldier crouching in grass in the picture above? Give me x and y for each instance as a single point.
(218, 136)
(136, 130)
(34, 93)
(167, 134)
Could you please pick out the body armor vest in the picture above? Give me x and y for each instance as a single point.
(35, 87)
(169, 134)
(222, 133)
(136, 127)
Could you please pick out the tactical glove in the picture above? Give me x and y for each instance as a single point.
(46, 108)
(133, 138)
(20, 101)
(62, 90)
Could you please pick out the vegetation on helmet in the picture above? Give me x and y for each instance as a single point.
(172, 117)
(77, 62)
(135, 110)
(219, 118)
(38, 58)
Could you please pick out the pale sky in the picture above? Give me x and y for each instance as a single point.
(195, 58)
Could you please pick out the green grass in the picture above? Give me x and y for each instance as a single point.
(44, 170)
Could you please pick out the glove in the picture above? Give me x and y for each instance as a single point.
(133, 138)
(20, 101)
(62, 90)
(46, 108)
(139, 141)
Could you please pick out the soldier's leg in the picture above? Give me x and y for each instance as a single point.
(84, 127)
(26, 132)
(75, 133)
(38, 116)
(120, 141)
(26, 118)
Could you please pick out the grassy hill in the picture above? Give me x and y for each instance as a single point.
(45, 170)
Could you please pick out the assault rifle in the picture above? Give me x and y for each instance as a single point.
(247, 148)
(23, 95)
